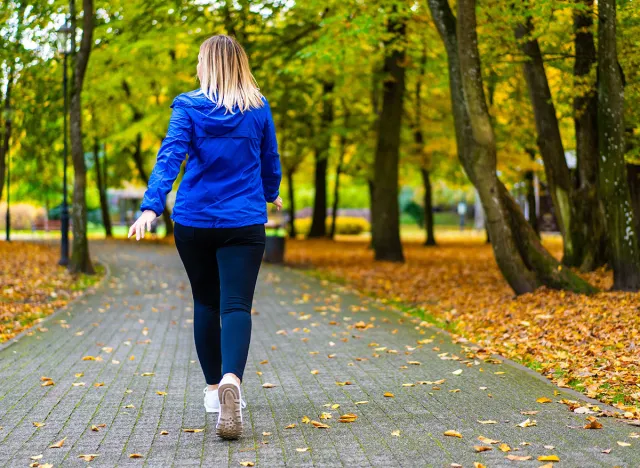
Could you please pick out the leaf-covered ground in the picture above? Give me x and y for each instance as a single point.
(33, 285)
(590, 343)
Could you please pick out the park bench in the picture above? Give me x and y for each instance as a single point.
(46, 225)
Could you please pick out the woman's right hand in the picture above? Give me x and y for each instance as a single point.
(278, 203)
(144, 221)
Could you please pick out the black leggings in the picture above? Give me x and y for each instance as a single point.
(222, 265)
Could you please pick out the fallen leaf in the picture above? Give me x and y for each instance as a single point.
(290, 426)
(147, 374)
(89, 456)
(348, 418)
(268, 385)
(315, 371)
(482, 448)
(593, 423)
(396, 433)
(302, 449)
(266, 433)
(89, 358)
(544, 400)
(519, 457)
(36, 457)
(161, 393)
(319, 425)
(193, 430)
(389, 394)
(527, 423)
(364, 402)
(58, 444)
(549, 458)
(38, 424)
(452, 433)
(135, 455)
(623, 444)
(164, 432)
(486, 440)
(489, 421)
(504, 448)
(457, 372)
(247, 463)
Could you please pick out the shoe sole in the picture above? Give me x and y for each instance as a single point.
(229, 424)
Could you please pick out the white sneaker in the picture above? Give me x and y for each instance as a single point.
(229, 425)
(212, 401)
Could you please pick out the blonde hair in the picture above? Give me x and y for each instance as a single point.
(225, 76)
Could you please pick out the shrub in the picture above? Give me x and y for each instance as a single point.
(22, 215)
(344, 225)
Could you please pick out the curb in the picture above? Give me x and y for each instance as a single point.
(93, 290)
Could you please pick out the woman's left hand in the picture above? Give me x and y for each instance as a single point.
(278, 203)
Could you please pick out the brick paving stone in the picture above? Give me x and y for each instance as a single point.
(139, 320)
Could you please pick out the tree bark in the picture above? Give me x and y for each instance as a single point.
(624, 254)
(521, 258)
(428, 207)
(102, 189)
(549, 141)
(336, 187)
(385, 226)
(318, 221)
(80, 258)
(292, 205)
(585, 112)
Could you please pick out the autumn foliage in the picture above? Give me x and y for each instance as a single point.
(590, 343)
(33, 285)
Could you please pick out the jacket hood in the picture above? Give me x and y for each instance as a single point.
(203, 112)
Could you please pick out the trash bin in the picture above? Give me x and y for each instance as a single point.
(274, 243)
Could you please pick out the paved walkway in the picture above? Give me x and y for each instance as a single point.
(138, 328)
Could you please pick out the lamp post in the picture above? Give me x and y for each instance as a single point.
(8, 214)
(63, 35)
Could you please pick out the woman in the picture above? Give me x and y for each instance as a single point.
(233, 169)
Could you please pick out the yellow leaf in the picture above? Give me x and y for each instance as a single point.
(544, 400)
(396, 433)
(135, 455)
(247, 463)
(486, 440)
(550, 458)
(192, 430)
(147, 374)
(164, 432)
(527, 423)
(624, 444)
(504, 448)
(161, 393)
(315, 371)
(79, 374)
(319, 425)
(457, 372)
(489, 421)
(389, 394)
(98, 384)
(38, 424)
(519, 458)
(47, 383)
(482, 448)
(452, 433)
(415, 363)
(89, 456)
(268, 385)
(302, 449)
(58, 444)
(266, 433)
(36, 457)
(305, 419)
(335, 406)
(364, 402)
(89, 358)
(478, 465)
(264, 362)
(290, 426)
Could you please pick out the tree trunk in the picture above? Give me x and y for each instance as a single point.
(523, 261)
(624, 256)
(137, 157)
(386, 220)
(371, 207)
(318, 221)
(428, 207)
(585, 115)
(292, 205)
(6, 136)
(80, 258)
(551, 148)
(102, 190)
(531, 202)
(336, 188)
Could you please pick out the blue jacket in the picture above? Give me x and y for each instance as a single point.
(232, 171)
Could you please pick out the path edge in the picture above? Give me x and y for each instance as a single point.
(86, 293)
(516, 365)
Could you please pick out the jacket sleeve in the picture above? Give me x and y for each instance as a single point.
(172, 152)
(270, 159)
